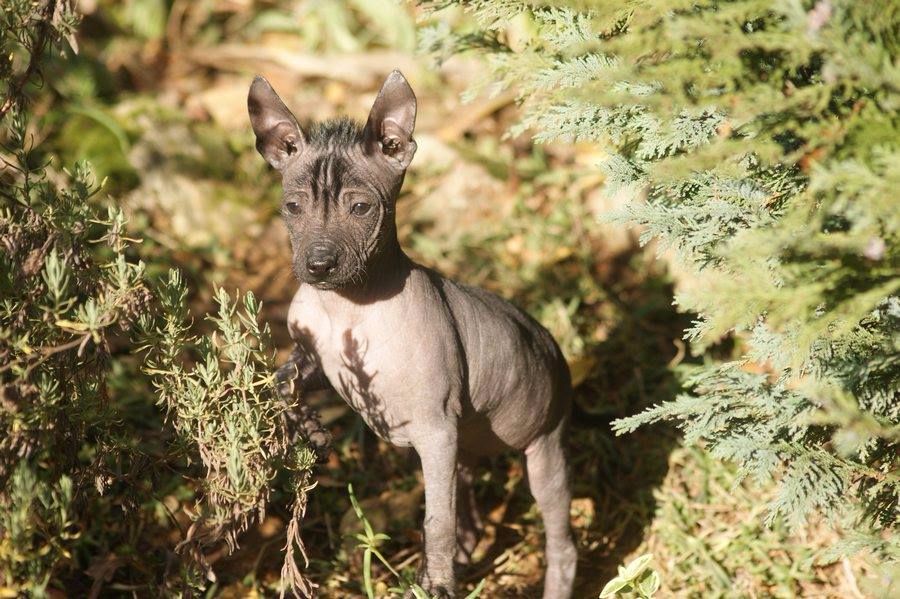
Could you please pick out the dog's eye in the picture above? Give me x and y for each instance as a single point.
(292, 207)
(361, 208)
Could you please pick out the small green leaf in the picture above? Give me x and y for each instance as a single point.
(369, 532)
(636, 566)
(649, 584)
(613, 586)
(419, 592)
(367, 573)
(353, 502)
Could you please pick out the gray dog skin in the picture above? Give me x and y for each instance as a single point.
(452, 371)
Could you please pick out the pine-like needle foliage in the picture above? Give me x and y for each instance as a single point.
(759, 139)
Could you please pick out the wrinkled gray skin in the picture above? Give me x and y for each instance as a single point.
(453, 371)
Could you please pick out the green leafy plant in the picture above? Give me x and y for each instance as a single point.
(226, 406)
(369, 542)
(28, 31)
(81, 444)
(754, 139)
(635, 578)
(68, 295)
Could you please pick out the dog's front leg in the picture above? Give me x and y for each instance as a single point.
(302, 373)
(437, 450)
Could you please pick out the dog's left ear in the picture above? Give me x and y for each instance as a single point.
(391, 122)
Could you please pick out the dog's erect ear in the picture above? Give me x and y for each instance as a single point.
(278, 136)
(391, 122)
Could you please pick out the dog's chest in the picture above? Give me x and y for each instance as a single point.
(367, 356)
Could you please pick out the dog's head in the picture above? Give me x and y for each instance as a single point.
(340, 179)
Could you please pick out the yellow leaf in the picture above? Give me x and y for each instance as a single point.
(562, 253)
(581, 368)
(68, 324)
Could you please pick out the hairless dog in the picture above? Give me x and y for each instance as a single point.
(450, 370)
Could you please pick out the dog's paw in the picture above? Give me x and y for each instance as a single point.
(317, 435)
(442, 588)
(303, 422)
(435, 593)
(285, 378)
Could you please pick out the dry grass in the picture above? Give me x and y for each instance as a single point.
(708, 540)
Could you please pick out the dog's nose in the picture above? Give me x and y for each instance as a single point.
(321, 260)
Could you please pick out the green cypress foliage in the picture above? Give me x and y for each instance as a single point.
(759, 141)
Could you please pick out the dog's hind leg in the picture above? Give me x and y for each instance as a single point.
(469, 526)
(548, 479)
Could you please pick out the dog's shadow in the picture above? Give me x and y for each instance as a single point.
(355, 381)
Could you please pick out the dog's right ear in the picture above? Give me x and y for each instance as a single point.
(278, 136)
